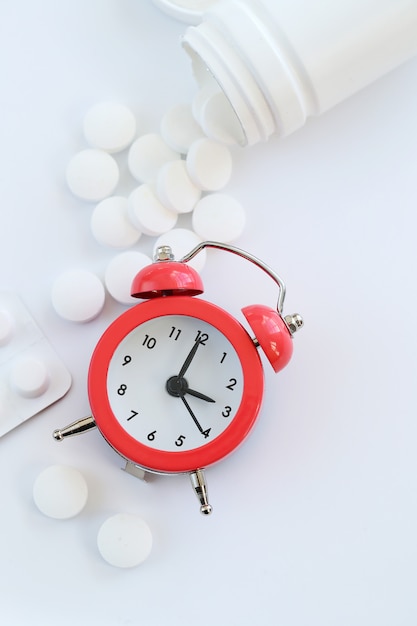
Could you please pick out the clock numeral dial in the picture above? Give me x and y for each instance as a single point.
(175, 333)
(202, 338)
(178, 372)
(227, 411)
(149, 342)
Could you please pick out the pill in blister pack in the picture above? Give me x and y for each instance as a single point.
(32, 376)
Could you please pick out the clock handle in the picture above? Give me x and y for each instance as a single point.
(245, 255)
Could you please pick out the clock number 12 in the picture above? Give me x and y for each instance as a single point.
(201, 338)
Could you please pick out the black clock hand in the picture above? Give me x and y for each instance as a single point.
(196, 422)
(197, 394)
(189, 358)
(178, 387)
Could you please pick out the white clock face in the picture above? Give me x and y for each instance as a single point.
(175, 383)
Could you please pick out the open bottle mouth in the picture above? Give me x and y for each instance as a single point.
(211, 107)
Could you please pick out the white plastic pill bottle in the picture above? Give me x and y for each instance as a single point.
(277, 62)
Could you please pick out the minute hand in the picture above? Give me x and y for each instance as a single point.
(189, 409)
(188, 360)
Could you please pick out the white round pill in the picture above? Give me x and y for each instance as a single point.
(219, 121)
(219, 217)
(92, 174)
(124, 540)
(60, 492)
(109, 126)
(209, 164)
(78, 295)
(175, 188)
(147, 155)
(120, 273)
(182, 241)
(179, 128)
(110, 223)
(29, 377)
(206, 91)
(147, 213)
(6, 327)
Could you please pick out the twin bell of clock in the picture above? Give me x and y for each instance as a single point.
(272, 331)
(176, 383)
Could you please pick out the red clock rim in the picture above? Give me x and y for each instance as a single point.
(161, 461)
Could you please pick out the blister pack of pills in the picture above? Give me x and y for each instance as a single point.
(32, 376)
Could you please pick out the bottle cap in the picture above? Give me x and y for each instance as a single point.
(189, 11)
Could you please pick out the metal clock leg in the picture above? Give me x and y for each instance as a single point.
(199, 484)
(75, 428)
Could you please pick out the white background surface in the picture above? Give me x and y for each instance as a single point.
(314, 520)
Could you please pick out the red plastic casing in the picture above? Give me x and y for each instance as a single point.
(272, 334)
(166, 278)
(176, 462)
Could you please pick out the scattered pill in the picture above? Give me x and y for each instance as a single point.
(29, 377)
(109, 126)
(60, 492)
(147, 155)
(92, 174)
(78, 295)
(147, 213)
(110, 223)
(120, 273)
(175, 188)
(179, 128)
(219, 217)
(219, 121)
(124, 540)
(209, 164)
(6, 327)
(206, 91)
(182, 241)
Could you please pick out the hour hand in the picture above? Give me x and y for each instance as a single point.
(178, 387)
(189, 358)
(197, 394)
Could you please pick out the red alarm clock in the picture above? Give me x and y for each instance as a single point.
(175, 383)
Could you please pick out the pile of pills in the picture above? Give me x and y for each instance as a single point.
(32, 376)
(61, 492)
(178, 170)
